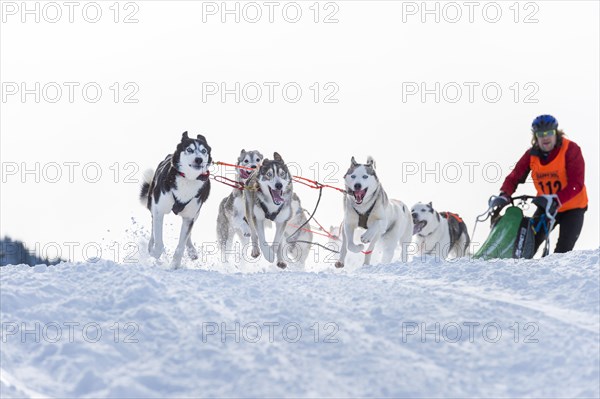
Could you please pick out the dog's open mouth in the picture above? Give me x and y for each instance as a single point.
(359, 196)
(418, 226)
(276, 196)
(245, 173)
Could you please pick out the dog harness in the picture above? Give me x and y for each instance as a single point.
(270, 215)
(447, 215)
(364, 217)
(455, 226)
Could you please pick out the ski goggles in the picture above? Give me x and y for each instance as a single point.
(547, 133)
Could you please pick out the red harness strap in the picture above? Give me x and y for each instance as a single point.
(454, 215)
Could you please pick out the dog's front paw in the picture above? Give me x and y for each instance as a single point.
(281, 265)
(156, 252)
(255, 252)
(355, 248)
(339, 264)
(192, 253)
(175, 264)
(366, 237)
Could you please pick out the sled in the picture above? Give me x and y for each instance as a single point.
(512, 234)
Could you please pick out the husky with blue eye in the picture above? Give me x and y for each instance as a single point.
(269, 197)
(180, 184)
(367, 206)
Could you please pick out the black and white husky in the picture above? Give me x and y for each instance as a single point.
(269, 197)
(232, 210)
(439, 234)
(180, 184)
(367, 205)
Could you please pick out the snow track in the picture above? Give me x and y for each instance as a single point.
(365, 332)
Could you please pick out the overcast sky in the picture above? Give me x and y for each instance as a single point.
(443, 100)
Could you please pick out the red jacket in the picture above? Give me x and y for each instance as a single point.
(575, 171)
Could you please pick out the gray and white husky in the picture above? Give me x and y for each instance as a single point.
(269, 197)
(367, 205)
(180, 184)
(232, 210)
(440, 234)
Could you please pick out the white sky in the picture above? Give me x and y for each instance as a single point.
(370, 54)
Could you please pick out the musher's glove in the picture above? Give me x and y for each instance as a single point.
(499, 202)
(548, 203)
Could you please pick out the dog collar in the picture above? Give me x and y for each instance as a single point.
(203, 176)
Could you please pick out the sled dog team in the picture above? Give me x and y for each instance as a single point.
(181, 184)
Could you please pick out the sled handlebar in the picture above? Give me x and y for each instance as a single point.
(522, 198)
(495, 210)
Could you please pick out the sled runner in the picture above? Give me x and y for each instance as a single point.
(512, 234)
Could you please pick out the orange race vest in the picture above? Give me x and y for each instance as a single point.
(552, 177)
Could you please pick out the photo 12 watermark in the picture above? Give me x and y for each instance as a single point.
(53, 252)
(270, 92)
(71, 172)
(469, 92)
(70, 92)
(452, 172)
(252, 12)
(453, 12)
(238, 252)
(323, 172)
(69, 332)
(469, 331)
(270, 332)
(70, 12)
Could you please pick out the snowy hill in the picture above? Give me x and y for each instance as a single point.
(505, 329)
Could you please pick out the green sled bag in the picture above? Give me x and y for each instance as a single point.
(512, 236)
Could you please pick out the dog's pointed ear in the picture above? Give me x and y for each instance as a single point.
(201, 138)
(184, 136)
(430, 206)
(370, 162)
(277, 157)
(353, 162)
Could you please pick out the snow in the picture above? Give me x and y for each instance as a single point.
(369, 322)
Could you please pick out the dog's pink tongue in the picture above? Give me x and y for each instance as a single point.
(417, 227)
(244, 173)
(359, 195)
(277, 196)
